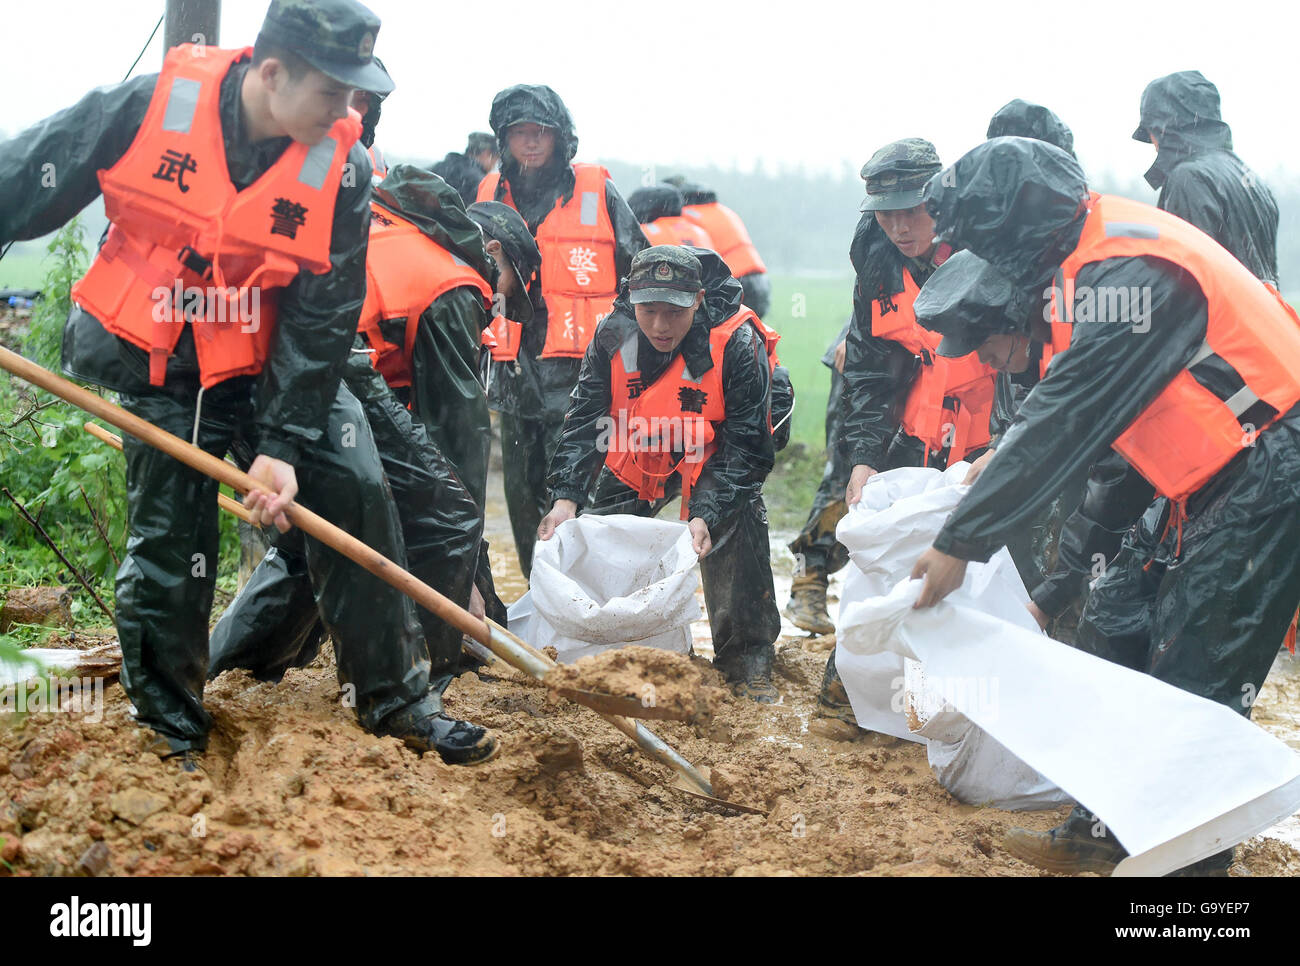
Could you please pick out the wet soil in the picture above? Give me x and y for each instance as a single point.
(655, 683)
(292, 786)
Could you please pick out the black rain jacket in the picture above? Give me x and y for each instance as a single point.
(1018, 204)
(877, 372)
(534, 387)
(735, 473)
(1199, 178)
(317, 314)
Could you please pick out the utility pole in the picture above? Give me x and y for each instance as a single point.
(192, 22)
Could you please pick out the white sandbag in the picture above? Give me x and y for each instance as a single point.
(608, 581)
(896, 520)
(879, 536)
(873, 681)
(1175, 777)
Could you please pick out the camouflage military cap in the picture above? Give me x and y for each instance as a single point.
(502, 223)
(337, 37)
(896, 174)
(664, 273)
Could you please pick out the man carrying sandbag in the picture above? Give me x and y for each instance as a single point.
(904, 406)
(1183, 362)
(675, 396)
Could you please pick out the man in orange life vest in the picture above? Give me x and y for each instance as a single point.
(680, 347)
(249, 357)
(730, 240)
(587, 236)
(427, 269)
(1183, 362)
(905, 406)
(659, 209)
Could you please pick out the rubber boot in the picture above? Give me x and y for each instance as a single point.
(1211, 867)
(807, 606)
(834, 716)
(188, 761)
(1081, 843)
(749, 672)
(424, 727)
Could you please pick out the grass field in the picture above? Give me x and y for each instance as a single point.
(23, 267)
(808, 312)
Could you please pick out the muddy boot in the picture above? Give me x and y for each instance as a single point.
(807, 607)
(749, 672)
(1211, 867)
(1079, 844)
(424, 727)
(188, 761)
(834, 716)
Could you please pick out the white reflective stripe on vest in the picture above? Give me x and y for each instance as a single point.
(316, 166)
(589, 208)
(182, 101)
(1131, 229)
(628, 352)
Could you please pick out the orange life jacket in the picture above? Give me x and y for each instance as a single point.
(183, 238)
(502, 337)
(579, 278)
(678, 411)
(406, 271)
(950, 402)
(677, 230)
(1187, 434)
(730, 238)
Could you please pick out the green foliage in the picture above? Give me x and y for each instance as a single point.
(48, 461)
(67, 259)
(71, 482)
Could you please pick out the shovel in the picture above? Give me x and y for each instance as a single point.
(496, 638)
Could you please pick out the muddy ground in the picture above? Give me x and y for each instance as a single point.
(293, 787)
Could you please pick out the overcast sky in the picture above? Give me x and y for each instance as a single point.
(703, 81)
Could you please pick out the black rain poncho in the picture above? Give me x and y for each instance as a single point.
(1199, 178)
(1213, 623)
(531, 393)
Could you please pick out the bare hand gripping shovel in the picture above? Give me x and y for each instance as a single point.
(497, 639)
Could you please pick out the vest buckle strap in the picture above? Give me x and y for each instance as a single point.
(158, 356)
(195, 262)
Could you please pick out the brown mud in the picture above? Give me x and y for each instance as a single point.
(292, 786)
(655, 683)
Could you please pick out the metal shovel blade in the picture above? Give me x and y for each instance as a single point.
(682, 785)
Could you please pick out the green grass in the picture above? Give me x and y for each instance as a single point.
(808, 313)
